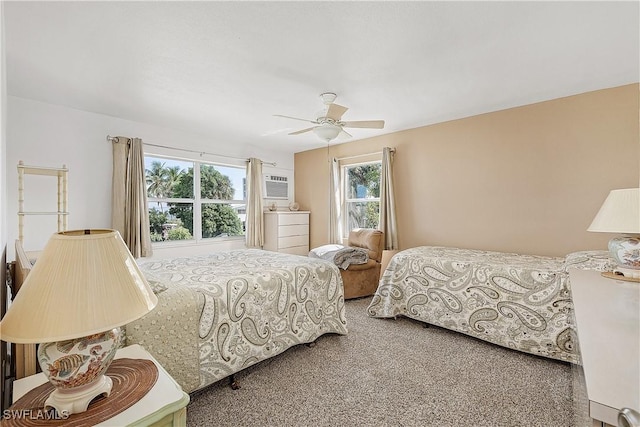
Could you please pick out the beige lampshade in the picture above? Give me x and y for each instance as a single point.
(620, 213)
(84, 282)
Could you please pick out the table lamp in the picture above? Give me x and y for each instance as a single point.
(620, 213)
(82, 288)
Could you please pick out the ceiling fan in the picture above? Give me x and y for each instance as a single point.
(330, 125)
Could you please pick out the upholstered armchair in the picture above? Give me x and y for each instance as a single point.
(362, 279)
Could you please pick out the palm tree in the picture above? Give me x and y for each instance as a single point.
(156, 178)
(215, 185)
(173, 176)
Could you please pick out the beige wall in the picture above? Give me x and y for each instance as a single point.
(528, 179)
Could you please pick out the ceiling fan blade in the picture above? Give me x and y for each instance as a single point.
(298, 132)
(346, 133)
(296, 118)
(336, 111)
(375, 124)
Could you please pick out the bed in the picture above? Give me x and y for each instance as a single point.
(220, 313)
(522, 302)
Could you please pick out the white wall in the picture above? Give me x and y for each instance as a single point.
(42, 134)
(3, 198)
(3, 121)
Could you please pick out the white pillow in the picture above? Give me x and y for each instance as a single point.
(323, 250)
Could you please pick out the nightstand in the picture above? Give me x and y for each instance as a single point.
(608, 324)
(165, 405)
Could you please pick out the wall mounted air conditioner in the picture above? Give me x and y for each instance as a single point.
(275, 187)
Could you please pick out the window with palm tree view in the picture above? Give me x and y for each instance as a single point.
(362, 195)
(190, 200)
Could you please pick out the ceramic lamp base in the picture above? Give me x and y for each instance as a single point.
(73, 401)
(625, 250)
(76, 369)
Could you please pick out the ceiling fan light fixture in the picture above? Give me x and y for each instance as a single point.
(327, 131)
(329, 120)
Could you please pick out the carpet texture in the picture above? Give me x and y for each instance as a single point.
(396, 373)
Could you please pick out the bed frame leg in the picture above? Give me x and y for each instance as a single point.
(311, 344)
(233, 383)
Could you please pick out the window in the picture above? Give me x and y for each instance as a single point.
(190, 200)
(362, 195)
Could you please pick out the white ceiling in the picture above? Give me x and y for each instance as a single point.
(223, 69)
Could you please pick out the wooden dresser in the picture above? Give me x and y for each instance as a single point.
(287, 232)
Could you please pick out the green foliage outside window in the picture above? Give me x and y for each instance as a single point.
(179, 233)
(218, 219)
(364, 177)
(161, 180)
(363, 194)
(157, 219)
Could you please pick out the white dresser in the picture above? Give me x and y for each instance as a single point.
(287, 232)
(608, 323)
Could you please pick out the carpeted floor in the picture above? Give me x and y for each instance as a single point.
(396, 373)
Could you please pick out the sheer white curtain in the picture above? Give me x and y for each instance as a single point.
(335, 200)
(387, 201)
(129, 213)
(254, 222)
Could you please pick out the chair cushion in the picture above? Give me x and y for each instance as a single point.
(370, 239)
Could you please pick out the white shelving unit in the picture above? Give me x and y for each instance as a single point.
(61, 212)
(26, 360)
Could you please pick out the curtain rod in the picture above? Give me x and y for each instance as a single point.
(393, 150)
(111, 139)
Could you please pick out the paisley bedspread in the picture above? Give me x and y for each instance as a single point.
(521, 302)
(220, 313)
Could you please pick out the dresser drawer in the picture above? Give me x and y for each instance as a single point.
(296, 250)
(293, 218)
(287, 242)
(293, 230)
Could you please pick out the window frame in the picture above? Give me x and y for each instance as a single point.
(196, 202)
(345, 191)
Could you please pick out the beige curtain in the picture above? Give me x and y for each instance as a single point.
(129, 214)
(254, 222)
(387, 201)
(335, 201)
